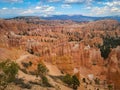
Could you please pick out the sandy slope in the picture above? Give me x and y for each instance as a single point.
(22, 57)
(53, 70)
(57, 85)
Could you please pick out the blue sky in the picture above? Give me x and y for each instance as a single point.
(12, 8)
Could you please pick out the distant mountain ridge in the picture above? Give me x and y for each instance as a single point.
(77, 18)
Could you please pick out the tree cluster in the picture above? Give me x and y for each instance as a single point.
(108, 43)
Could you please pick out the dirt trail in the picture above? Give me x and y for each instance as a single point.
(27, 77)
(23, 75)
(22, 58)
(53, 70)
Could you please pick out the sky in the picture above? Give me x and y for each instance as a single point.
(13, 8)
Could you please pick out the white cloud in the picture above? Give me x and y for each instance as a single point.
(29, 11)
(66, 6)
(39, 10)
(53, 0)
(4, 8)
(74, 1)
(44, 8)
(88, 7)
(38, 7)
(12, 1)
(14, 8)
(105, 11)
(49, 9)
(114, 3)
(78, 1)
(34, 10)
(115, 9)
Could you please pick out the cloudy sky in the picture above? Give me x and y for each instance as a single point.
(12, 8)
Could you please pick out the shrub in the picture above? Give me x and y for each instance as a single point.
(30, 51)
(26, 85)
(22, 84)
(71, 81)
(41, 69)
(110, 87)
(26, 65)
(45, 82)
(30, 63)
(75, 82)
(84, 80)
(9, 71)
(97, 81)
(67, 79)
(24, 70)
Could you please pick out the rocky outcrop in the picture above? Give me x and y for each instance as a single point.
(71, 47)
(113, 72)
(114, 60)
(88, 58)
